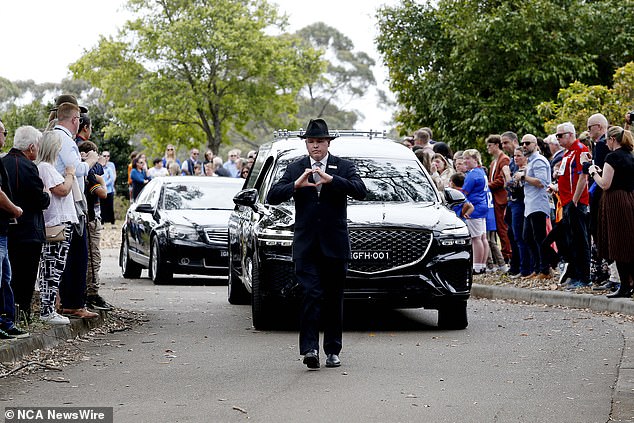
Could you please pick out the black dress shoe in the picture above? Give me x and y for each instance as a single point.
(333, 360)
(311, 359)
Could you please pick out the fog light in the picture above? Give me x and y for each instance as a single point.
(184, 261)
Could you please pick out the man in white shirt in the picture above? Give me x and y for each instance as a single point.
(157, 170)
(73, 285)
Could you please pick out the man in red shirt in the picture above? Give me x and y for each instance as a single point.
(497, 186)
(573, 194)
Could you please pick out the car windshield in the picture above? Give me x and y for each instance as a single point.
(386, 180)
(198, 197)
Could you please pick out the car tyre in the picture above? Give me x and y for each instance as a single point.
(237, 293)
(129, 268)
(160, 272)
(453, 316)
(260, 307)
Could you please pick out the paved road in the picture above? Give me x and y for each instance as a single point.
(199, 360)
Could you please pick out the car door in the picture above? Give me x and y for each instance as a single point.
(147, 216)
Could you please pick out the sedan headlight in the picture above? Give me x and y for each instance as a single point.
(282, 238)
(183, 233)
(454, 236)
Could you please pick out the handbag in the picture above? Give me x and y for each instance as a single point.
(55, 233)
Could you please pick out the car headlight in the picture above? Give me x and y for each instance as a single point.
(184, 233)
(279, 237)
(454, 236)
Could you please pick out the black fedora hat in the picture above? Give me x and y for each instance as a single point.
(317, 128)
(68, 98)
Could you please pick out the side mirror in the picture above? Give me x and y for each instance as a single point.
(246, 197)
(144, 208)
(453, 197)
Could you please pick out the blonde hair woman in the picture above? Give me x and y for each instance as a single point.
(60, 212)
(170, 156)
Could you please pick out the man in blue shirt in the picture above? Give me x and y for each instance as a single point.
(536, 204)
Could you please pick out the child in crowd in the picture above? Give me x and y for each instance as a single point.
(464, 209)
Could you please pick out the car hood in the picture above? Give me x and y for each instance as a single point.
(198, 217)
(432, 216)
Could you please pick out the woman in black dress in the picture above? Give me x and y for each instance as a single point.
(616, 210)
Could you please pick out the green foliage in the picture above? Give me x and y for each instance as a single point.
(34, 114)
(187, 72)
(346, 75)
(468, 68)
(578, 101)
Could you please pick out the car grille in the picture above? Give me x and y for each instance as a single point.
(216, 235)
(402, 246)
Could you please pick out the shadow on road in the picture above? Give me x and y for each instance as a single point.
(363, 317)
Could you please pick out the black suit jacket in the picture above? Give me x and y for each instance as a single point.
(28, 192)
(320, 220)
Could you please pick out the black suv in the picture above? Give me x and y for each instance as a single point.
(408, 248)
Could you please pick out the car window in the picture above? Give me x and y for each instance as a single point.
(257, 165)
(395, 180)
(180, 196)
(149, 195)
(386, 180)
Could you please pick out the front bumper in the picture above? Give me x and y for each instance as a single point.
(197, 258)
(429, 284)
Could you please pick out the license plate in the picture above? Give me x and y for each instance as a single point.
(371, 255)
(224, 253)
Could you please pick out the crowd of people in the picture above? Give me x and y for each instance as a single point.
(563, 202)
(140, 173)
(54, 186)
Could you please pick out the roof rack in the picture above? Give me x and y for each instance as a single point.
(285, 133)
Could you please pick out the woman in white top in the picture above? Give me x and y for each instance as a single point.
(61, 211)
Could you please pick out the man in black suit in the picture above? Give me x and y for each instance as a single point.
(26, 236)
(320, 185)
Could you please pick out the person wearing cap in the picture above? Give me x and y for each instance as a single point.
(73, 286)
(320, 185)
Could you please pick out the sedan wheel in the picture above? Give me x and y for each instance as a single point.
(160, 273)
(129, 268)
(261, 310)
(238, 294)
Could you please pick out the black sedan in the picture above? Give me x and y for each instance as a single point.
(408, 248)
(178, 224)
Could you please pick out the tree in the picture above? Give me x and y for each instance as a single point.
(193, 70)
(468, 68)
(578, 101)
(347, 75)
